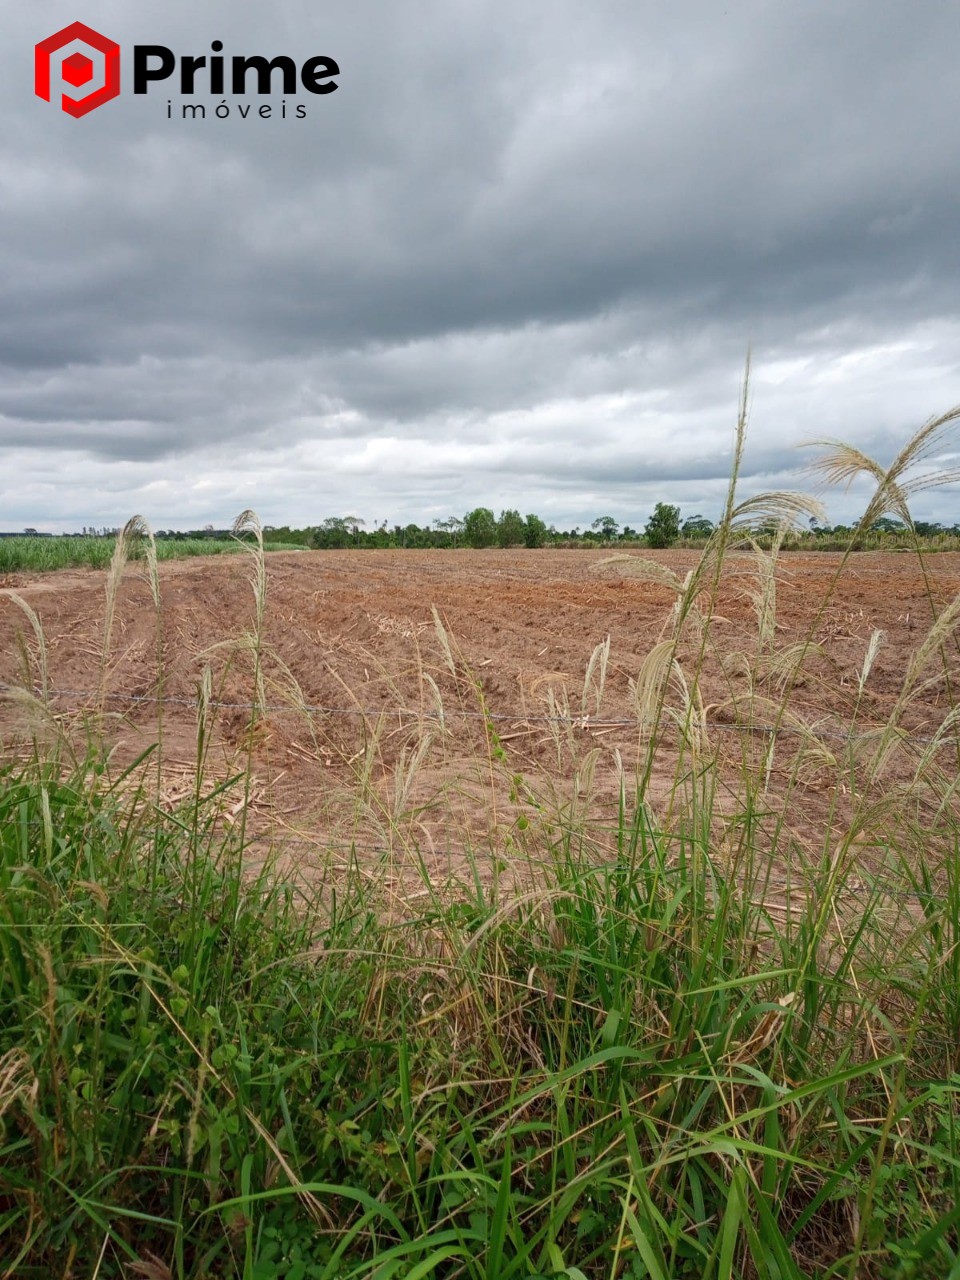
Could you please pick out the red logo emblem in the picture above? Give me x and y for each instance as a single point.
(78, 68)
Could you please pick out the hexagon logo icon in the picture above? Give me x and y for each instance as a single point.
(87, 60)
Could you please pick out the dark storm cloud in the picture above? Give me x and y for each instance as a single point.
(517, 256)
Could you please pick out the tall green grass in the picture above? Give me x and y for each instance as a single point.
(29, 554)
(632, 1071)
(622, 1053)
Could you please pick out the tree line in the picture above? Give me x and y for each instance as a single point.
(482, 528)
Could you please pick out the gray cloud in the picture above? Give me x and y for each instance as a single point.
(516, 258)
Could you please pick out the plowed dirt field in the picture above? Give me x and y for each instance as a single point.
(376, 732)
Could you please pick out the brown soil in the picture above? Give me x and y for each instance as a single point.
(351, 636)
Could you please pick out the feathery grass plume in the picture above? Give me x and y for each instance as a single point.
(368, 807)
(443, 639)
(791, 511)
(783, 665)
(892, 735)
(281, 685)
(135, 528)
(42, 671)
(249, 522)
(249, 647)
(583, 779)
(764, 597)
(17, 1081)
(469, 686)
(365, 763)
(690, 716)
(787, 511)
(777, 507)
(685, 602)
(436, 712)
(869, 658)
(895, 486)
(596, 667)
(842, 463)
(38, 717)
(652, 681)
(429, 710)
(756, 711)
(703, 579)
(204, 698)
(651, 570)
(943, 736)
(657, 669)
(550, 690)
(203, 739)
(411, 757)
(931, 644)
(892, 742)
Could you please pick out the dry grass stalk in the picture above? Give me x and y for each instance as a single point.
(842, 464)
(42, 670)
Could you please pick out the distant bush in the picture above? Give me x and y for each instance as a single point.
(663, 527)
(480, 528)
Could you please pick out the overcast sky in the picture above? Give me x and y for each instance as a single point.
(516, 259)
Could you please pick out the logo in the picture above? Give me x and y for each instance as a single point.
(87, 60)
(79, 58)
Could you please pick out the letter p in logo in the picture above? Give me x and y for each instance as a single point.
(87, 60)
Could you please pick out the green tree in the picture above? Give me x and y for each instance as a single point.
(414, 536)
(886, 524)
(697, 527)
(333, 533)
(510, 529)
(607, 527)
(663, 527)
(534, 532)
(354, 524)
(480, 527)
(452, 526)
